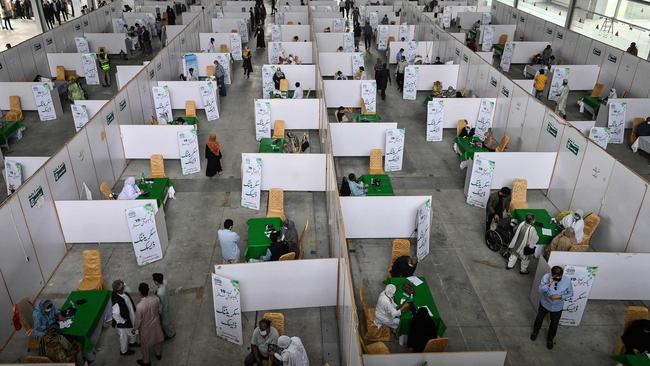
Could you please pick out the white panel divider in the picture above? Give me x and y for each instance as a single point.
(142, 141)
(381, 216)
(298, 114)
(357, 139)
(292, 172)
(536, 167)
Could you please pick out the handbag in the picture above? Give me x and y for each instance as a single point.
(528, 250)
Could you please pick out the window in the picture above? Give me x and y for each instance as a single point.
(554, 11)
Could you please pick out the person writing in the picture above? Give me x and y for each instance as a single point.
(356, 187)
(387, 312)
(575, 221)
(130, 191)
(45, 315)
(263, 336)
(555, 289)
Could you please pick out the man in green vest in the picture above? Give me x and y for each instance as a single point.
(105, 64)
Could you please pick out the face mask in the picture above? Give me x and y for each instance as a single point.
(263, 333)
(48, 310)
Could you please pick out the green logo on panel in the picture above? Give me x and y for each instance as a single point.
(122, 104)
(612, 58)
(457, 52)
(465, 58)
(596, 51)
(549, 31)
(493, 81)
(505, 92)
(559, 35)
(573, 147)
(551, 129)
(59, 171)
(35, 196)
(109, 118)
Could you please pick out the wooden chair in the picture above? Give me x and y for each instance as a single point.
(278, 129)
(436, 345)
(157, 166)
(60, 73)
(284, 85)
(37, 359)
(635, 127)
(503, 39)
(210, 70)
(460, 125)
(277, 321)
(401, 247)
(598, 90)
(223, 48)
(301, 240)
(276, 204)
(376, 348)
(592, 221)
(391, 39)
(376, 165)
(372, 334)
(504, 143)
(519, 191)
(107, 193)
(15, 112)
(26, 308)
(288, 257)
(190, 108)
(93, 278)
(624, 94)
(289, 23)
(632, 313)
(153, 120)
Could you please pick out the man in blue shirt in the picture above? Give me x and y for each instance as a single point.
(555, 289)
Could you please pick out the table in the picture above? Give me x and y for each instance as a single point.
(7, 130)
(157, 191)
(592, 104)
(466, 148)
(269, 145)
(366, 118)
(385, 187)
(633, 360)
(189, 120)
(542, 220)
(88, 315)
(282, 95)
(641, 143)
(532, 70)
(422, 297)
(258, 240)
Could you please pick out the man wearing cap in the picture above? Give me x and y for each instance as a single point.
(123, 317)
(497, 205)
(575, 221)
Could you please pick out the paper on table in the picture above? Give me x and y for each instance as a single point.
(415, 281)
(65, 324)
(547, 232)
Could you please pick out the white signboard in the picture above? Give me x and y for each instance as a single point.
(188, 145)
(394, 150)
(44, 103)
(600, 135)
(582, 279)
(262, 120)
(13, 175)
(267, 80)
(435, 119)
(235, 46)
(279, 18)
(227, 309)
(243, 30)
(338, 25)
(486, 18)
(208, 92)
(348, 42)
(484, 119)
(480, 182)
(162, 103)
(423, 228)
(382, 37)
(276, 51)
(616, 122)
(410, 91)
(506, 57)
(411, 50)
(276, 33)
(357, 61)
(488, 38)
(369, 95)
(404, 34)
(251, 183)
(82, 45)
(555, 89)
(89, 65)
(79, 116)
(144, 235)
(224, 61)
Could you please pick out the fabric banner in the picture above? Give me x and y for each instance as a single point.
(44, 103)
(162, 104)
(410, 52)
(89, 65)
(394, 150)
(382, 37)
(188, 145)
(486, 18)
(276, 51)
(251, 183)
(144, 235)
(82, 45)
(338, 25)
(404, 33)
(555, 89)
(374, 19)
(506, 57)
(267, 80)
(190, 61)
(224, 61)
(480, 182)
(262, 120)
(276, 33)
(369, 95)
(348, 42)
(79, 116)
(235, 46)
(600, 135)
(279, 18)
(410, 91)
(423, 229)
(208, 91)
(616, 121)
(227, 309)
(435, 116)
(488, 38)
(13, 175)
(357, 62)
(484, 119)
(242, 27)
(582, 279)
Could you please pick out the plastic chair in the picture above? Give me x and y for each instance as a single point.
(401, 247)
(376, 348)
(157, 166)
(301, 240)
(223, 48)
(373, 334)
(376, 166)
(519, 192)
(592, 221)
(25, 309)
(276, 204)
(598, 90)
(632, 313)
(504, 143)
(93, 278)
(503, 39)
(210, 70)
(107, 193)
(15, 112)
(460, 125)
(363, 108)
(60, 73)
(277, 321)
(288, 257)
(278, 129)
(635, 127)
(284, 85)
(190, 108)
(436, 345)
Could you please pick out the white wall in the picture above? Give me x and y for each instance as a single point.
(71, 61)
(527, 85)
(346, 93)
(319, 24)
(381, 216)
(329, 42)
(92, 106)
(499, 29)
(219, 39)
(298, 114)
(29, 164)
(466, 19)
(289, 31)
(581, 77)
(536, 167)
(297, 17)
(636, 107)
(292, 172)
(524, 51)
(304, 74)
(331, 62)
(24, 91)
(357, 139)
(437, 359)
(461, 108)
(112, 42)
(225, 25)
(302, 49)
(428, 74)
(393, 31)
(142, 141)
(182, 91)
(124, 73)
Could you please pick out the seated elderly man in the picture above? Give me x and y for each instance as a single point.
(387, 312)
(575, 221)
(263, 336)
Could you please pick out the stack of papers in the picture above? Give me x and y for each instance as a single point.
(65, 324)
(547, 232)
(414, 280)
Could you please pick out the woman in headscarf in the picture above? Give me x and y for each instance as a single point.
(386, 311)
(259, 33)
(292, 352)
(248, 65)
(45, 314)
(563, 242)
(130, 191)
(279, 75)
(213, 154)
(75, 92)
(423, 328)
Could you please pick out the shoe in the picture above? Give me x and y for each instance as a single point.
(136, 344)
(524, 272)
(533, 336)
(509, 267)
(129, 352)
(140, 362)
(549, 344)
(159, 357)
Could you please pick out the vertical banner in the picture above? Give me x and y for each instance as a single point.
(190, 61)
(616, 121)
(338, 25)
(79, 116)
(600, 135)
(394, 150)
(410, 91)
(279, 18)
(262, 120)
(374, 19)
(267, 80)
(484, 119)
(251, 183)
(382, 37)
(144, 235)
(488, 38)
(224, 61)
(404, 34)
(89, 65)
(559, 74)
(446, 17)
(43, 98)
(162, 104)
(275, 49)
(369, 95)
(480, 182)
(188, 146)
(435, 118)
(82, 45)
(208, 91)
(506, 57)
(227, 309)
(582, 279)
(357, 62)
(13, 175)
(235, 46)
(348, 42)
(423, 228)
(411, 50)
(276, 33)
(486, 18)
(242, 27)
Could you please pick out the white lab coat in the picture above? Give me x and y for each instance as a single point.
(386, 312)
(577, 225)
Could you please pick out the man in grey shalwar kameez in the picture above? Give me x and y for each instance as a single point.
(165, 315)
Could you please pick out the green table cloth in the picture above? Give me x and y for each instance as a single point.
(269, 145)
(632, 360)
(9, 129)
(283, 95)
(422, 297)
(87, 316)
(542, 221)
(592, 102)
(258, 239)
(366, 118)
(157, 191)
(385, 187)
(467, 149)
(498, 47)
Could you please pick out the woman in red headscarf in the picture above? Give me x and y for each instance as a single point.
(213, 154)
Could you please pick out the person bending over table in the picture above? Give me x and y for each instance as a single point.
(575, 221)
(356, 187)
(404, 266)
(45, 315)
(387, 312)
(130, 191)
(637, 337)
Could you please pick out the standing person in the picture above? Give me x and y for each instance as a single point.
(263, 336)
(248, 65)
(523, 243)
(123, 317)
(355, 16)
(165, 315)
(171, 16)
(357, 36)
(212, 47)
(540, 83)
(632, 49)
(399, 54)
(546, 54)
(60, 11)
(158, 26)
(251, 14)
(56, 12)
(18, 11)
(348, 6)
(273, 9)
(6, 17)
(383, 78)
(146, 41)
(213, 155)
(401, 67)
(298, 93)
(147, 323)
(28, 9)
(555, 289)
(259, 33)
(229, 241)
(367, 35)
(497, 206)
(562, 99)
(105, 64)
(262, 14)
(220, 74)
(342, 8)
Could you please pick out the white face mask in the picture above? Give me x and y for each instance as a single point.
(263, 333)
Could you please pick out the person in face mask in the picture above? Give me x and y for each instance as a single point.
(45, 314)
(263, 336)
(386, 312)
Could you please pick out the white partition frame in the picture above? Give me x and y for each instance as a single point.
(304, 74)
(331, 62)
(92, 106)
(112, 42)
(303, 31)
(182, 91)
(424, 49)
(142, 141)
(495, 358)
(297, 114)
(346, 93)
(535, 167)
(29, 164)
(428, 74)
(24, 91)
(635, 107)
(124, 74)
(329, 42)
(499, 30)
(462, 108)
(292, 172)
(357, 139)
(302, 49)
(581, 77)
(70, 61)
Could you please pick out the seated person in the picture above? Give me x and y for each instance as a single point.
(339, 76)
(182, 77)
(537, 59)
(612, 95)
(179, 121)
(340, 49)
(296, 39)
(575, 221)
(467, 131)
(291, 352)
(459, 94)
(490, 142)
(437, 61)
(342, 116)
(277, 249)
(356, 187)
(637, 337)
(423, 328)
(450, 92)
(563, 242)
(296, 60)
(385, 20)
(437, 89)
(263, 336)
(191, 76)
(386, 312)
(360, 74)
(279, 75)
(130, 191)
(75, 92)
(45, 315)
(551, 61)
(344, 191)
(297, 92)
(404, 266)
(58, 348)
(471, 44)
(644, 128)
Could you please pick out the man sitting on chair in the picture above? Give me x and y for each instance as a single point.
(404, 266)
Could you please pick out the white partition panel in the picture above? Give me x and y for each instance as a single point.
(593, 179)
(292, 172)
(60, 176)
(524, 51)
(526, 84)
(296, 17)
(357, 139)
(499, 30)
(92, 106)
(393, 31)
(99, 149)
(304, 74)
(583, 126)
(532, 125)
(331, 62)
(319, 24)
(71, 61)
(219, 39)
(82, 164)
(124, 73)
(466, 19)
(437, 359)
(112, 42)
(461, 108)
(424, 49)
(303, 32)
(301, 49)
(536, 167)
(225, 25)
(298, 114)
(621, 276)
(567, 168)
(174, 30)
(182, 91)
(581, 77)
(380, 217)
(636, 107)
(30, 164)
(142, 141)
(639, 242)
(329, 42)
(428, 74)
(315, 286)
(346, 93)
(22, 90)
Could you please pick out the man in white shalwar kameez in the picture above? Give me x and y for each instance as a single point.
(575, 221)
(525, 237)
(387, 312)
(562, 99)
